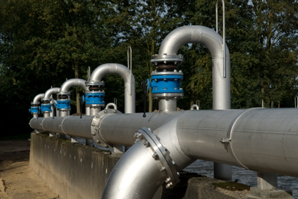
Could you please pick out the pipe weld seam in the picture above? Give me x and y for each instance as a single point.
(61, 125)
(230, 134)
(41, 124)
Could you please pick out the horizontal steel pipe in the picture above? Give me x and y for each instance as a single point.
(119, 129)
(256, 139)
(69, 125)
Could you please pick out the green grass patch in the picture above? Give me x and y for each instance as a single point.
(232, 186)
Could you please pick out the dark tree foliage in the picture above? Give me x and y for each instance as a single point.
(43, 42)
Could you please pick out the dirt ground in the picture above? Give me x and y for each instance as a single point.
(17, 179)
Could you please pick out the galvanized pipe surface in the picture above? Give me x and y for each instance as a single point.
(128, 77)
(73, 82)
(51, 91)
(37, 98)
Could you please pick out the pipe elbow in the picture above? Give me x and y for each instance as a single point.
(193, 34)
(37, 98)
(73, 82)
(111, 68)
(136, 175)
(51, 91)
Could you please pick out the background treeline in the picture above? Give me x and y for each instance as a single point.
(43, 42)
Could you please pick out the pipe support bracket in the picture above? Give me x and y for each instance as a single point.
(159, 153)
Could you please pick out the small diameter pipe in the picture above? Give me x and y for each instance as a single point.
(73, 82)
(51, 91)
(37, 98)
(128, 77)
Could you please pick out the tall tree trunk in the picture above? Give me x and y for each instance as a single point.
(76, 69)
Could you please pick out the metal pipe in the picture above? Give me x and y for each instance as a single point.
(37, 98)
(167, 104)
(223, 30)
(264, 140)
(213, 41)
(51, 91)
(73, 82)
(220, 70)
(127, 76)
(68, 125)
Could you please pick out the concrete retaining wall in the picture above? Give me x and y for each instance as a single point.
(71, 170)
(75, 171)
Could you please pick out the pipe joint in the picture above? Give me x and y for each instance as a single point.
(63, 104)
(95, 98)
(96, 126)
(44, 108)
(34, 109)
(161, 154)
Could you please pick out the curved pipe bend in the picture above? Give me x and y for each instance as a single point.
(51, 91)
(126, 74)
(73, 82)
(37, 98)
(193, 34)
(139, 173)
(214, 42)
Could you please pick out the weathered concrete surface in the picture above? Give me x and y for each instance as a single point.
(203, 188)
(73, 171)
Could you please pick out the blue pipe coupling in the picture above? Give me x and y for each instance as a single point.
(63, 104)
(94, 98)
(45, 108)
(34, 109)
(165, 82)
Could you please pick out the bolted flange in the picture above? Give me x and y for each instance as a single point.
(161, 154)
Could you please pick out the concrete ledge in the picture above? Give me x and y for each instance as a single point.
(71, 170)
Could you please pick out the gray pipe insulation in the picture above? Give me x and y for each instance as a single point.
(263, 140)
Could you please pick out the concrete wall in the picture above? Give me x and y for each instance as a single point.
(75, 171)
(71, 170)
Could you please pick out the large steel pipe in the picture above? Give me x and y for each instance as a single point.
(119, 129)
(73, 82)
(125, 73)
